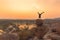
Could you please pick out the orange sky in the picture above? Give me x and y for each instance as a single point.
(27, 9)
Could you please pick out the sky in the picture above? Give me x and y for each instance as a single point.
(27, 9)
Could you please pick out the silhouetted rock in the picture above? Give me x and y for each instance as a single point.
(39, 22)
(41, 29)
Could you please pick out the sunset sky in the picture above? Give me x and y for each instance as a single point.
(27, 9)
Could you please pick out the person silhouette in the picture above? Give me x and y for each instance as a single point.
(40, 14)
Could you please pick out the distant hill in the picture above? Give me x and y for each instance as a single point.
(21, 21)
(56, 20)
(6, 21)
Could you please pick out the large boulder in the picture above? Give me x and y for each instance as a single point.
(41, 29)
(39, 22)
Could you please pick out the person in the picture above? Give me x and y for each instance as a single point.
(40, 14)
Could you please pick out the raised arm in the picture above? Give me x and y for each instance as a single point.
(38, 13)
(42, 12)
